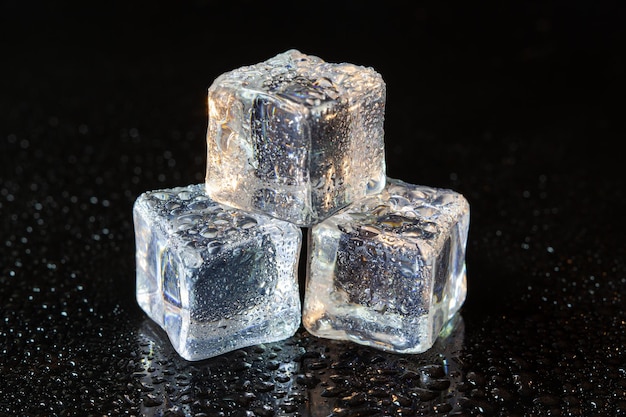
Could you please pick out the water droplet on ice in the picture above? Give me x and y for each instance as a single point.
(214, 246)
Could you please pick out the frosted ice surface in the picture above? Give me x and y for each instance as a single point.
(389, 271)
(215, 278)
(295, 137)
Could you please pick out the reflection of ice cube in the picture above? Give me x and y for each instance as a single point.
(389, 271)
(215, 278)
(295, 137)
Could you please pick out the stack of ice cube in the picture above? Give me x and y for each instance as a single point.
(296, 142)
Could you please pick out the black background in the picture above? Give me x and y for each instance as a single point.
(517, 105)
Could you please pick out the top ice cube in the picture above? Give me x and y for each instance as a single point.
(295, 137)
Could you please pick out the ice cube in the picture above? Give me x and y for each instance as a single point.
(295, 137)
(214, 278)
(389, 271)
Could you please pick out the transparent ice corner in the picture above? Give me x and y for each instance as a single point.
(296, 137)
(214, 278)
(389, 272)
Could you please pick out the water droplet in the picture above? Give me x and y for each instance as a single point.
(208, 232)
(246, 222)
(185, 195)
(198, 205)
(162, 195)
(214, 246)
(171, 205)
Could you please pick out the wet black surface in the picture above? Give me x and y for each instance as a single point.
(519, 106)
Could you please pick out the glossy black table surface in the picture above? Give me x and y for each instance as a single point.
(519, 106)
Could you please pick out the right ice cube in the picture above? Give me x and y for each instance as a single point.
(389, 271)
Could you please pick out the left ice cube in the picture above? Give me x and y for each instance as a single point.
(215, 278)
